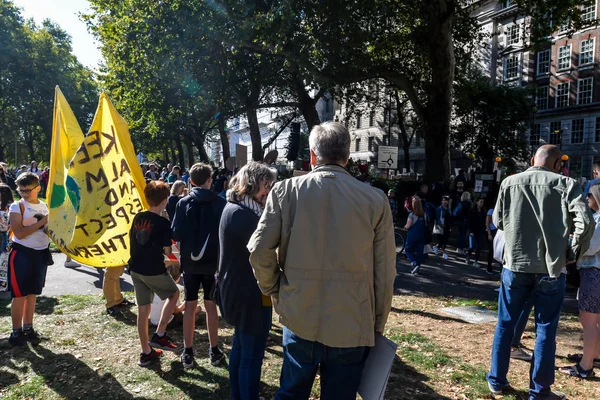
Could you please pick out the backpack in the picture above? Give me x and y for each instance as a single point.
(408, 204)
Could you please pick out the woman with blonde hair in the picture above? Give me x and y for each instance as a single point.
(589, 298)
(242, 304)
(177, 192)
(415, 237)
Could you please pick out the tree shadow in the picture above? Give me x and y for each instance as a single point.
(428, 315)
(66, 375)
(407, 383)
(44, 306)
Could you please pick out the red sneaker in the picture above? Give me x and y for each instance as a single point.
(147, 359)
(163, 343)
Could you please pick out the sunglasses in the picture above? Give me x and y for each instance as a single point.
(27, 191)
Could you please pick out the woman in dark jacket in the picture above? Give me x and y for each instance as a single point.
(477, 218)
(176, 193)
(242, 304)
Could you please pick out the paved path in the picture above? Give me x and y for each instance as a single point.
(80, 280)
(436, 278)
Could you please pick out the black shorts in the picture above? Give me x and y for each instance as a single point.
(26, 272)
(192, 283)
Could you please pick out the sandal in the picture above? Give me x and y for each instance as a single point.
(577, 358)
(577, 372)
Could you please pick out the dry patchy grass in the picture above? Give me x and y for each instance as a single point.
(92, 356)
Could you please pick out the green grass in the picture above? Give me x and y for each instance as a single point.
(460, 302)
(421, 351)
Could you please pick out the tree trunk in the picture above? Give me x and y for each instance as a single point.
(190, 153)
(224, 139)
(255, 138)
(406, 149)
(180, 156)
(306, 105)
(201, 149)
(166, 155)
(441, 15)
(173, 156)
(2, 157)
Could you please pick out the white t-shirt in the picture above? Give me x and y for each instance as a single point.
(38, 240)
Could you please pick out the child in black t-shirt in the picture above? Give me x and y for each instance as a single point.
(150, 238)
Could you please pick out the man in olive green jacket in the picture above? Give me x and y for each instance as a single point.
(537, 210)
(324, 250)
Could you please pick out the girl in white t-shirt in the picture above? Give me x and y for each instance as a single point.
(28, 258)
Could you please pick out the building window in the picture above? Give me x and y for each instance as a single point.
(506, 3)
(358, 120)
(584, 90)
(513, 34)
(566, 27)
(541, 99)
(577, 131)
(534, 138)
(555, 132)
(564, 57)
(562, 94)
(357, 145)
(588, 14)
(575, 165)
(543, 62)
(511, 67)
(586, 54)
(372, 118)
(371, 143)
(597, 133)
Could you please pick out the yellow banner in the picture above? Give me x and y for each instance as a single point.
(96, 186)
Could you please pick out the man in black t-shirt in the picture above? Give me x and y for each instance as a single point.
(150, 240)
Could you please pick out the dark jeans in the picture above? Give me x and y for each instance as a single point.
(463, 230)
(245, 360)
(547, 295)
(477, 240)
(340, 369)
(490, 259)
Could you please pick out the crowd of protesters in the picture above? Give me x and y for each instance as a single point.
(253, 244)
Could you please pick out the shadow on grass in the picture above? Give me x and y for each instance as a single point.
(44, 306)
(408, 383)
(63, 373)
(427, 315)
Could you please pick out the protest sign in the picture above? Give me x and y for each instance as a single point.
(95, 188)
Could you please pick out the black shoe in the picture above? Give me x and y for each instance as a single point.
(17, 339)
(126, 303)
(187, 360)
(216, 357)
(114, 311)
(33, 337)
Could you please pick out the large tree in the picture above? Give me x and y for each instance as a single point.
(33, 60)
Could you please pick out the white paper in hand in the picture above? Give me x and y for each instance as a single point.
(377, 369)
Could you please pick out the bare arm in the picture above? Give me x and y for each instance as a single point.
(20, 231)
(409, 223)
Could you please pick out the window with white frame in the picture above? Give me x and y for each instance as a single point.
(584, 90)
(541, 98)
(511, 67)
(534, 137)
(577, 131)
(586, 52)
(588, 13)
(555, 132)
(543, 62)
(562, 94)
(513, 34)
(597, 132)
(564, 57)
(566, 27)
(357, 144)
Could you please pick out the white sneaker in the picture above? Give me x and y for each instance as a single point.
(72, 264)
(445, 256)
(476, 264)
(414, 271)
(461, 252)
(520, 354)
(435, 250)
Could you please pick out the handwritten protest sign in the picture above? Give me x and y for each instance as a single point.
(94, 196)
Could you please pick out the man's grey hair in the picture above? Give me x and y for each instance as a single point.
(330, 142)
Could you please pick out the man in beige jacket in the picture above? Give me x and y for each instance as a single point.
(324, 250)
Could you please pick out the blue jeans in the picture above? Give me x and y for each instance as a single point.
(522, 323)
(462, 236)
(547, 295)
(340, 369)
(245, 360)
(415, 253)
(477, 239)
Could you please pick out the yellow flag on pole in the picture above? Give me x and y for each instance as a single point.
(103, 186)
